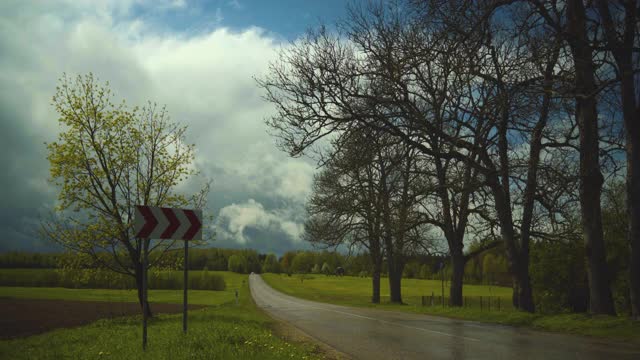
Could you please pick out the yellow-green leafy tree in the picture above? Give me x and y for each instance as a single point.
(108, 159)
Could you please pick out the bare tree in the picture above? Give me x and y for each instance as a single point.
(620, 21)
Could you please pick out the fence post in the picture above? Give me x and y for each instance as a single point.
(432, 298)
(480, 303)
(423, 300)
(489, 303)
(498, 304)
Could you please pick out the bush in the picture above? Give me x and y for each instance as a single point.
(558, 276)
(207, 281)
(425, 271)
(316, 269)
(411, 270)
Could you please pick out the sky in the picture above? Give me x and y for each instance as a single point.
(199, 58)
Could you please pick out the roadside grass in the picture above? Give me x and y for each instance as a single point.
(224, 331)
(354, 291)
(196, 297)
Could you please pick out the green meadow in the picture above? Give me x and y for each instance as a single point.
(222, 330)
(356, 291)
(197, 297)
(105, 279)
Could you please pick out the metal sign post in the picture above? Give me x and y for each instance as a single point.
(442, 274)
(165, 223)
(145, 305)
(186, 282)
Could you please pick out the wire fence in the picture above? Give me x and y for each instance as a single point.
(480, 302)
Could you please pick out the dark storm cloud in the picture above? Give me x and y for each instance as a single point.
(205, 80)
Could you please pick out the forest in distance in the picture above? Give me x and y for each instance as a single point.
(557, 275)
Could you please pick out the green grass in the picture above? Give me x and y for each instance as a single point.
(349, 290)
(225, 331)
(354, 291)
(196, 297)
(105, 279)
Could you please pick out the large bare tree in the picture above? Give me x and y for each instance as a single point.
(621, 23)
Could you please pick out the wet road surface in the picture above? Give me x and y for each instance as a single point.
(378, 334)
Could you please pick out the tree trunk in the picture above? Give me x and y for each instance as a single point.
(375, 279)
(455, 291)
(138, 272)
(525, 294)
(518, 264)
(621, 48)
(590, 176)
(395, 279)
(633, 210)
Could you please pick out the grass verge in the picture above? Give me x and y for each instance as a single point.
(353, 291)
(224, 331)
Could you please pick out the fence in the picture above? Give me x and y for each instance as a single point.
(480, 302)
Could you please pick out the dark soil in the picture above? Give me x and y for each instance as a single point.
(25, 317)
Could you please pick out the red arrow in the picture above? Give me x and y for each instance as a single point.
(150, 222)
(195, 225)
(174, 223)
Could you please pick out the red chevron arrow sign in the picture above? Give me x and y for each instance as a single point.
(166, 223)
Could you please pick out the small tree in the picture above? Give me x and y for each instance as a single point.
(237, 264)
(271, 264)
(302, 263)
(326, 269)
(107, 160)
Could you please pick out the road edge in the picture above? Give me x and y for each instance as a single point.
(292, 333)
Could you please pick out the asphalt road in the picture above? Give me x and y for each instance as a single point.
(378, 334)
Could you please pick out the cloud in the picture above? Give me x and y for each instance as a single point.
(236, 218)
(236, 4)
(218, 17)
(205, 78)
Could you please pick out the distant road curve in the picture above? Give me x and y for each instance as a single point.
(378, 334)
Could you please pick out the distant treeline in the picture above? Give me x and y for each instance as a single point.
(557, 274)
(486, 267)
(29, 260)
(105, 279)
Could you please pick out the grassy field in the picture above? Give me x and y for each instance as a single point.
(222, 331)
(196, 297)
(349, 290)
(354, 291)
(105, 279)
